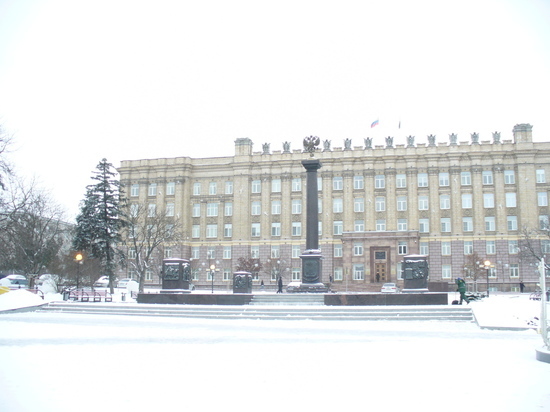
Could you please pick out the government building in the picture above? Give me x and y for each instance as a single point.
(447, 200)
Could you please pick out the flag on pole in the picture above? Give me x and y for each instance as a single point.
(375, 123)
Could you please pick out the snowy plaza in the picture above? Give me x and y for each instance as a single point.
(66, 362)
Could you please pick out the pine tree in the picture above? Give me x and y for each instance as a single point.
(101, 219)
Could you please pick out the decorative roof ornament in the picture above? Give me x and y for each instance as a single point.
(310, 144)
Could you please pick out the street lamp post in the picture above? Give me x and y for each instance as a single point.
(212, 271)
(78, 259)
(487, 266)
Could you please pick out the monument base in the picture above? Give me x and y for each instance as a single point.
(296, 287)
(175, 291)
(423, 290)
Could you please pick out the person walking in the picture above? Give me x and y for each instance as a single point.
(521, 286)
(280, 285)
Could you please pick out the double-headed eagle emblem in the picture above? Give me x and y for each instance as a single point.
(310, 144)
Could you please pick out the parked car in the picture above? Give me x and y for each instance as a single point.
(102, 282)
(15, 282)
(389, 288)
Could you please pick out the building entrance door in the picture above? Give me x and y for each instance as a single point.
(380, 265)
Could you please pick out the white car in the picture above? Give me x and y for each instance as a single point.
(15, 282)
(102, 282)
(389, 288)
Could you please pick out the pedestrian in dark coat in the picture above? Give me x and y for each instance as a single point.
(280, 285)
(521, 286)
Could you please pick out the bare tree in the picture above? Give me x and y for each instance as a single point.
(34, 231)
(534, 244)
(249, 264)
(473, 270)
(5, 167)
(148, 230)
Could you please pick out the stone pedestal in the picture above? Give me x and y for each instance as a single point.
(176, 274)
(242, 282)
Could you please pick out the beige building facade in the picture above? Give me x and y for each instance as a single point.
(446, 200)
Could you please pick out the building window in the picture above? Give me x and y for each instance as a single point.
(152, 210)
(255, 230)
(359, 204)
(424, 225)
(319, 184)
(381, 225)
(134, 191)
(514, 270)
(542, 198)
(256, 208)
(465, 178)
(446, 272)
(275, 207)
(444, 201)
(545, 246)
(196, 231)
(338, 227)
(227, 252)
(423, 203)
(196, 210)
(513, 247)
(228, 209)
(401, 203)
(379, 182)
(275, 229)
(211, 231)
(229, 187)
(152, 189)
(296, 251)
(358, 272)
(422, 179)
(212, 188)
(338, 251)
(296, 206)
(510, 199)
(380, 203)
(468, 247)
(211, 252)
(543, 222)
(359, 226)
(490, 225)
(445, 224)
(509, 177)
(227, 274)
(541, 176)
(467, 224)
(467, 201)
(196, 188)
(402, 225)
(512, 222)
(275, 252)
(445, 248)
(488, 200)
(276, 186)
(358, 182)
(401, 180)
(296, 228)
(402, 248)
(338, 273)
(212, 209)
(256, 186)
(297, 185)
(296, 273)
(255, 252)
(170, 209)
(195, 252)
(337, 183)
(337, 205)
(424, 248)
(228, 230)
(358, 249)
(487, 176)
(131, 253)
(444, 179)
(490, 247)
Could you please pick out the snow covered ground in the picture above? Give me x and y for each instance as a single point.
(66, 362)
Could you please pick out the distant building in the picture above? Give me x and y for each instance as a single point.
(446, 200)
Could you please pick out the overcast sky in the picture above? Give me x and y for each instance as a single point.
(129, 79)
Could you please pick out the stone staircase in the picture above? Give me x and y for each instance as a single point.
(289, 299)
(273, 312)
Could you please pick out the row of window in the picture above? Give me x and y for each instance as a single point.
(359, 226)
(338, 183)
